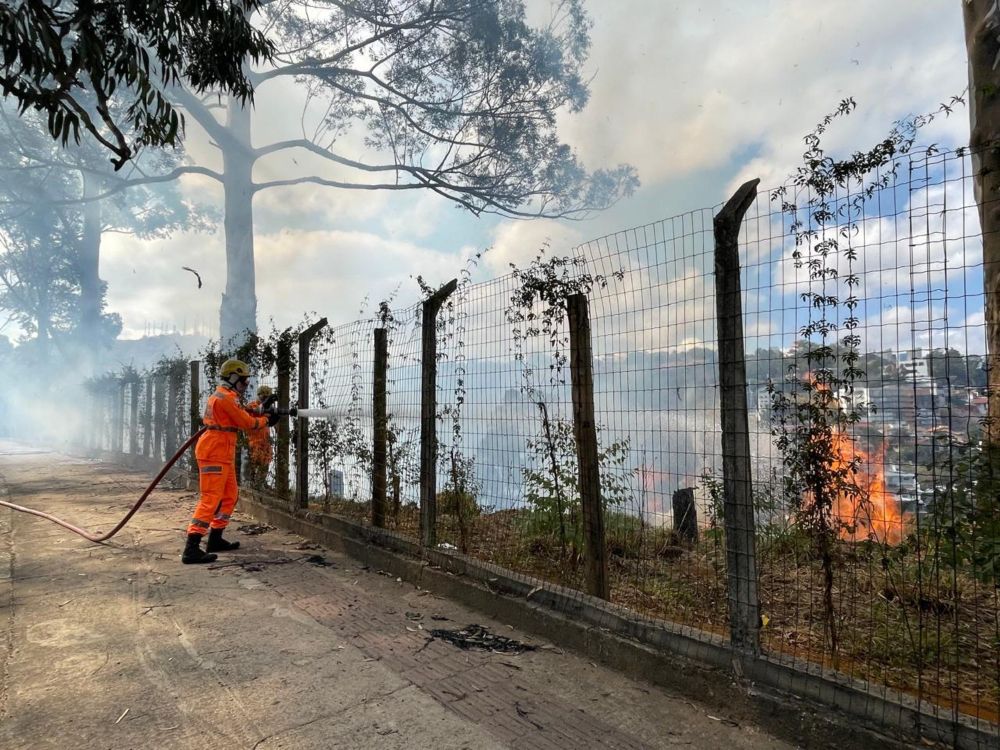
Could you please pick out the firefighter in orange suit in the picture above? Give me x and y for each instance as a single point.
(260, 439)
(216, 454)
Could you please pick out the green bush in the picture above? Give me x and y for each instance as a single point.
(551, 483)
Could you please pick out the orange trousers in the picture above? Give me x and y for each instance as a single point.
(217, 483)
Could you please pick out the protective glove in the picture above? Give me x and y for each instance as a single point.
(272, 418)
(269, 402)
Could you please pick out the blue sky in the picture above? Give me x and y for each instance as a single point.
(697, 96)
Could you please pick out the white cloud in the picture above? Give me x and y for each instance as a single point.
(418, 220)
(518, 242)
(332, 271)
(686, 86)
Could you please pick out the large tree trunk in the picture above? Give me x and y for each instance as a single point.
(982, 40)
(91, 286)
(238, 313)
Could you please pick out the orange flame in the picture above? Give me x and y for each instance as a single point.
(869, 512)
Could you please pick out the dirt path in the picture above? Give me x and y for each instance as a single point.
(280, 645)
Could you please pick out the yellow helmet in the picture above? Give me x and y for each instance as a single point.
(264, 391)
(234, 367)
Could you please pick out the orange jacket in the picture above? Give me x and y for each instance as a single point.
(259, 439)
(224, 416)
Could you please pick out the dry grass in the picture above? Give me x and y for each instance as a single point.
(932, 636)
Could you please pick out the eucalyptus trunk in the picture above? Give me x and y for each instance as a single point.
(238, 313)
(982, 40)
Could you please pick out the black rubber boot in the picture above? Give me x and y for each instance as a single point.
(192, 552)
(217, 544)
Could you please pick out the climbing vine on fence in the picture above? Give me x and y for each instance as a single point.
(815, 407)
(538, 309)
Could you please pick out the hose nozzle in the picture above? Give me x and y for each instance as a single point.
(294, 411)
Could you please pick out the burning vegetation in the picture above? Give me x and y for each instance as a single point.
(862, 509)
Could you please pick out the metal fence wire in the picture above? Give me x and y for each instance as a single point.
(873, 541)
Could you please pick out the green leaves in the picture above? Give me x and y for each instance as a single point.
(69, 59)
(552, 483)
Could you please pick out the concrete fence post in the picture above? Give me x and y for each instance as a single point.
(685, 514)
(281, 458)
(428, 413)
(737, 482)
(585, 432)
(302, 428)
(380, 425)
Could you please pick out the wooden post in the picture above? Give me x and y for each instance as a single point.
(284, 394)
(302, 429)
(737, 482)
(194, 410)
(147, 418)
(133, 420)
(170, 416)
(428, 414)
(380, 437)
(158, 386)
(685, 515)
(585, 431)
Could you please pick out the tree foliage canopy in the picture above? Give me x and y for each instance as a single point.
(68, 59)
(50, 230)
(39, 275)
(456, 96)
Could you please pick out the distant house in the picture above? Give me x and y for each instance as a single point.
(856, 398)
(897, 481)
(764, 402)
(893, 401)
(978, 405)
(913, 364)
(927, 395)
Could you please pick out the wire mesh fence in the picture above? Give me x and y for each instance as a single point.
(866, 345)
(874, 531)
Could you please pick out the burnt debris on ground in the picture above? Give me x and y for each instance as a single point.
(478, 638)
(318, 560)
(253, 529)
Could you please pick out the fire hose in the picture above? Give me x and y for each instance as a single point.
(100, 538)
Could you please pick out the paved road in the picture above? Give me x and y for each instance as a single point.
(280, 645)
